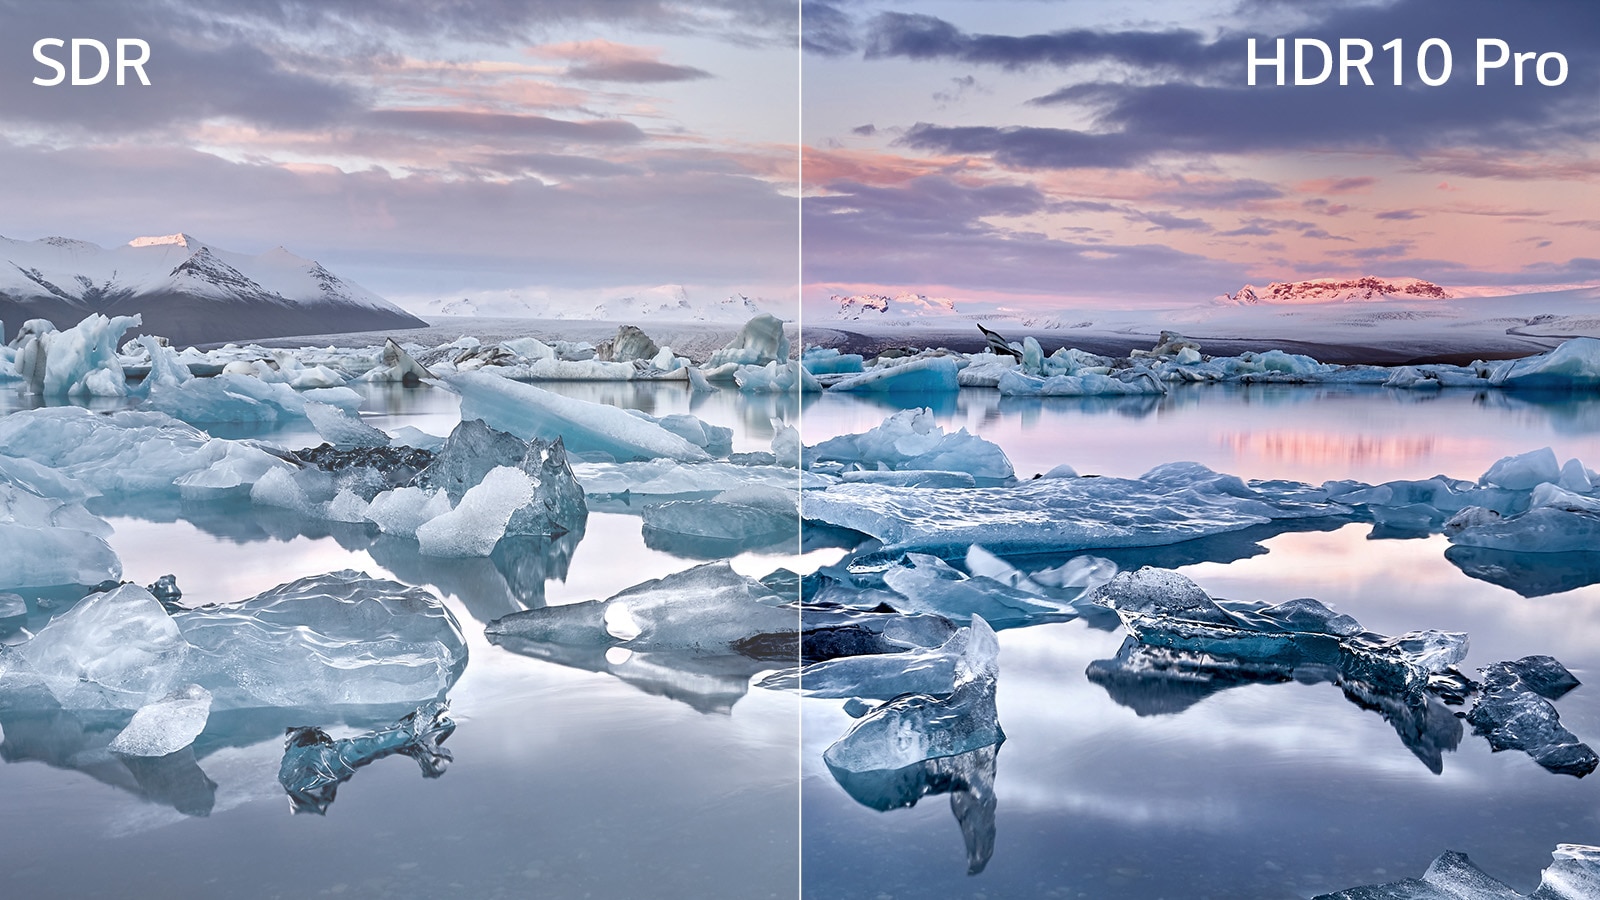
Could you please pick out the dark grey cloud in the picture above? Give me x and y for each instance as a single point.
(1229, 194)
(1398, 215)
(1165, 221)
(915, 36)
(867, 130)
(827, 30)
(1183, 108)
(931, 230)
(635, 71)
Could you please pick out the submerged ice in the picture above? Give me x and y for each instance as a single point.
(315, 764)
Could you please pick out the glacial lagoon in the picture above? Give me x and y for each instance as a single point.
(614, 774)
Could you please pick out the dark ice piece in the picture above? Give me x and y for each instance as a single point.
(469, 452)
(314, 764)
(166, 590)
(1515, 713)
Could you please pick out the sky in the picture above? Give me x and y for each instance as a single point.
(429, 151)
(1094, 154)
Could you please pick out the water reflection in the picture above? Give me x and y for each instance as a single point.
(968, 778)
(1529, 574)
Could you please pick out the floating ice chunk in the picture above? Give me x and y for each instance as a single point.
(1171, 503)
(776, 378)
(403, 510)
(913, 439)
(409, 436)
(342, 429)
(828, 361)
(228, 398)
(314, 764)
(347, 506)
(877, 675)
(479, 521)
(166, 725)
(113, 650)
(1162, 608)
(82, 360)
(631, 343)
(1542, 529)
(698, 382)
(528, 412)
(1574, 875)
(930, 585)
(786, 445)
(1574, 364)
(558, 505)
(749, 513)
(1013, 383)
(41, 556)
(342, 638)
(759, 342)
(716, 440)
(1575, 478)
(707, 608)
(916, 727)
(1523, 472)
(1078, 574)
(1514, 712)
(1555, 497)
(396, 365)
(471, 450)
(166, 368)
(914, 478)
(930, 375)
(665, 477)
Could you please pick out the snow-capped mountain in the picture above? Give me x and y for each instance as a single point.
(668, 302)
(1365, 289)
(185, 289)
(881, 307)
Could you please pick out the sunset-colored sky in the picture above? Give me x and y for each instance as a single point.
(427, 150)
(1110, 153)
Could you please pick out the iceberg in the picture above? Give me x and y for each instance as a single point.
(1543, 529)
(913, 440)
(478, 522)
(871, 674)
(116, 649)
(1515, 713)
(747, 517)
(403, 510)
(1171, 503)
(930, 585)
(828, 361)
(470, 451)
(759, 342)
(314, 764)
(530, 412)
(1575, 364)
(915, 727)
(1013, 383)
(1574, 875)
(82, 360)
(928, 375)
(396, 365)
(1524, 472)
(52, 542)
(167, 725)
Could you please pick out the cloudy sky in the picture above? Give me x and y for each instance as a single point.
(427, 150)
(1110, 153)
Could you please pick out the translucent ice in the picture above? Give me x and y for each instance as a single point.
(1543, 529)
(913, 439)
(314, 764)
(1088, 384)
(342, 638)
(707, 608)
(1524, 472)
(967, 777)
(82, 360)
(166, 725)
(471, 450)
(666, 477)
(1171, 503)
(1574, 875)
(752, 515)
(396, 365)
(916, 727)
(760, 341)
(776, 378)
(228, 398)
(479, 521)
(878, 676)
(1574, 364)
(343, 429)
(403, 510)
(929, 375)
(529, 412)
(113, 650)
(51, 542)
(930, 585)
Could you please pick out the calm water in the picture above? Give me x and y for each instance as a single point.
(1264, 790)
(625, 776)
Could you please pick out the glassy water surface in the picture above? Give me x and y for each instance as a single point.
(619, 776)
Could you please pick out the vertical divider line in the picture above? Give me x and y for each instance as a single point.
(799, 424)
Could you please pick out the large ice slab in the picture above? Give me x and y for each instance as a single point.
(478, 522)
(666, 477)
(314, 764)
(928, 375)
(116, 649)
(1575, 364)
(871, 675)
(129, 452)
(531, 412)
(928, 584)
(80, 361)
(342, 638)
(913, 440)
(1171, 503)
(1013, 383)
(759, 342)
(47, 542)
